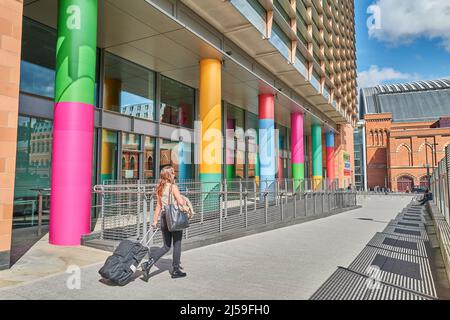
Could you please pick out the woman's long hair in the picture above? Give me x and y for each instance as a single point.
(167, 176)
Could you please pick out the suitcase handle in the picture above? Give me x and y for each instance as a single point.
(150, 239)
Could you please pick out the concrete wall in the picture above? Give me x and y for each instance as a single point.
(10, 47)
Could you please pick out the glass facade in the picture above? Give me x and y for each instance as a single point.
(280, 40)
(33, 168)
(128, 88)
(179, 155)
(109, 155)
(282, 148)
(251, 133)
(37, 69)
(359, 159)
(235, 146)
(149, 158)
(253, 11)
(177, 103)
(131, 148)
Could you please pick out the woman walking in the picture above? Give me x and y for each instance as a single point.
(166, 188)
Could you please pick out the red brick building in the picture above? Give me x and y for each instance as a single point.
(407, 128)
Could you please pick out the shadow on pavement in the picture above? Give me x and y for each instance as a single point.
(23, 240)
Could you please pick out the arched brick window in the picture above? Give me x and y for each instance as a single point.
(405, 184)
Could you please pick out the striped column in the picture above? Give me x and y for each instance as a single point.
(73, 131)
(230, 152)
(298, 154)
(257, 169)
(183, 162)
(316, 133)
(330, 156)
(280, 158)
(267, 156)
(211, 127)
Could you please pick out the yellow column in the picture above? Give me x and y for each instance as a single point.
(211, 118)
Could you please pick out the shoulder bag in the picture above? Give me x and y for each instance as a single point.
(176, 219)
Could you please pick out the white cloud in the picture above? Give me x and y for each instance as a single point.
(403, 21)
(376, 76)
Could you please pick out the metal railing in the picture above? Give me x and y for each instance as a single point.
(440, 187)
(126, 210)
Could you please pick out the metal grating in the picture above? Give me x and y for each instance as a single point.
(404, 275)
(348, 285)
(406, 232)
(398, 244)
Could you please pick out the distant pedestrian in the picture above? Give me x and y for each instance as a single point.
(426, 197)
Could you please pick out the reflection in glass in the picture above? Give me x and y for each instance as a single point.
(252, 145)
(37, 70)
(177, 103)
(235, 143)
(33, 167)
(282, 168)
(131, 147)
(253, 11)
(179, 156)
(109, 155)
(149, 156)
(128, 88)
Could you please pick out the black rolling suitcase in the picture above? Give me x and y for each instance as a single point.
(123, 263)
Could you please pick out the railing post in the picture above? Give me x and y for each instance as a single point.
(40, 200)
(255, 195)
(225, 187)
(294, 195)
(246, 209)
(145, 218)
(281, 206)
(314, 203)
(277, 190)
(286, 189)
(240, 196)
(221, 197)
(201, 203)
(266, 206)
(322, 197)
(138, 214)
(102, 212)
(152, 213)
(305, 197)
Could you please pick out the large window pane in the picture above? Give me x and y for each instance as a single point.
(131, 147)
(235, 143)
(37, 72)
(128, 88)
(281, 147)
(177, 103)
(33, 167)
(109, 155)
(179, 156)
(280, 40)
(149, 158)
(251, 133)
(253, 11)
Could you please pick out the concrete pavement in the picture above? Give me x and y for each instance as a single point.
(288, 263)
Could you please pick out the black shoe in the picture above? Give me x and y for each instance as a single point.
(146, 266)
(177, 273)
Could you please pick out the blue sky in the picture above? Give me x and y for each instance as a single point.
(411, 42)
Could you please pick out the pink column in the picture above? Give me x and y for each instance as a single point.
(298, 154)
